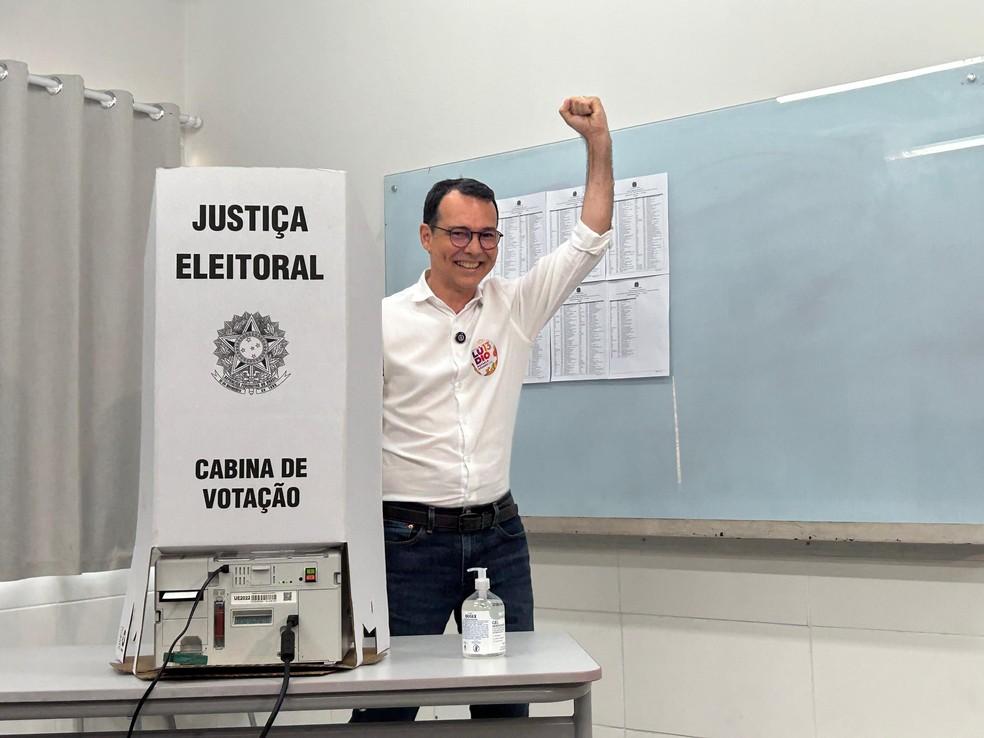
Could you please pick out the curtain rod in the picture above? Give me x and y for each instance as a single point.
(106, 99)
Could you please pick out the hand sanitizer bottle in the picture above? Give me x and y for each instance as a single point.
(483, 621)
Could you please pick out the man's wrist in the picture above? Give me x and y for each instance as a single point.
(599, 139)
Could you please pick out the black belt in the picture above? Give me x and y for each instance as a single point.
(459, 519)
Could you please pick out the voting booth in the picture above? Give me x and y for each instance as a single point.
(260, 447)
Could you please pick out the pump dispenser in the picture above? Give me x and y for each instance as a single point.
(483, 620)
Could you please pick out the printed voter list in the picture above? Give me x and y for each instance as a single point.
(616, 324)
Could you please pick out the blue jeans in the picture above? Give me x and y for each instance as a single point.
(427, 579)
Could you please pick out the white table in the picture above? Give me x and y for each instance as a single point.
(77, 681)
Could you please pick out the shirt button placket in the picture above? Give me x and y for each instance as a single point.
(457, 349)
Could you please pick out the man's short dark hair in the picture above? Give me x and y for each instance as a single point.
(467, 187)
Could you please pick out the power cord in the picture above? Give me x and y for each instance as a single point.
(167, 654)
(288, 643)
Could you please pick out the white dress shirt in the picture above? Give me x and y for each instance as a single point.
(449, 408)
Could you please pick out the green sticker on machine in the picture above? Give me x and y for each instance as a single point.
(189, 659)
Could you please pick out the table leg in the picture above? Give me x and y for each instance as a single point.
(582, 716)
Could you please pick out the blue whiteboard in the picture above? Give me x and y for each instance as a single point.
(826, 316)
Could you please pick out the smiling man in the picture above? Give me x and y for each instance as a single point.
(455, 349)
(464, 249)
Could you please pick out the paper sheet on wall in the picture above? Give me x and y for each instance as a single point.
(580, 335)
(639, 327)
(538, 366)
(563, 213)
(640, 242)
(616, 324)
(522, 221)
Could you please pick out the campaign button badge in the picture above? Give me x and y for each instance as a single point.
(485, 357)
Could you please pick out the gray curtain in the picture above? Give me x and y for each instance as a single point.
(76, 181)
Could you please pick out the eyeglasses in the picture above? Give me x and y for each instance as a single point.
(461, 237)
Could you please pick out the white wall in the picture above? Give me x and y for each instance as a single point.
(697, 638)
(135, 45)
(381, 86)
(723, 639)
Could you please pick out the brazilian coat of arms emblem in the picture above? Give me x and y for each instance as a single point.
(252, 351)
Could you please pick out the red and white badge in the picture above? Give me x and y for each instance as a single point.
(485, 357)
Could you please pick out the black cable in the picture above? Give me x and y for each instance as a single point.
(287, 653)
(167, 654)
(280, 701)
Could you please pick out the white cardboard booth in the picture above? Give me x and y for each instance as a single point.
(262, 383)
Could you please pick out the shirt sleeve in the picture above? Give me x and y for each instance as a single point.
(543, 289)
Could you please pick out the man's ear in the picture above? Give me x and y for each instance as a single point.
(426, 234)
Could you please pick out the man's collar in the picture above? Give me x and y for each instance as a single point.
(421, 291)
